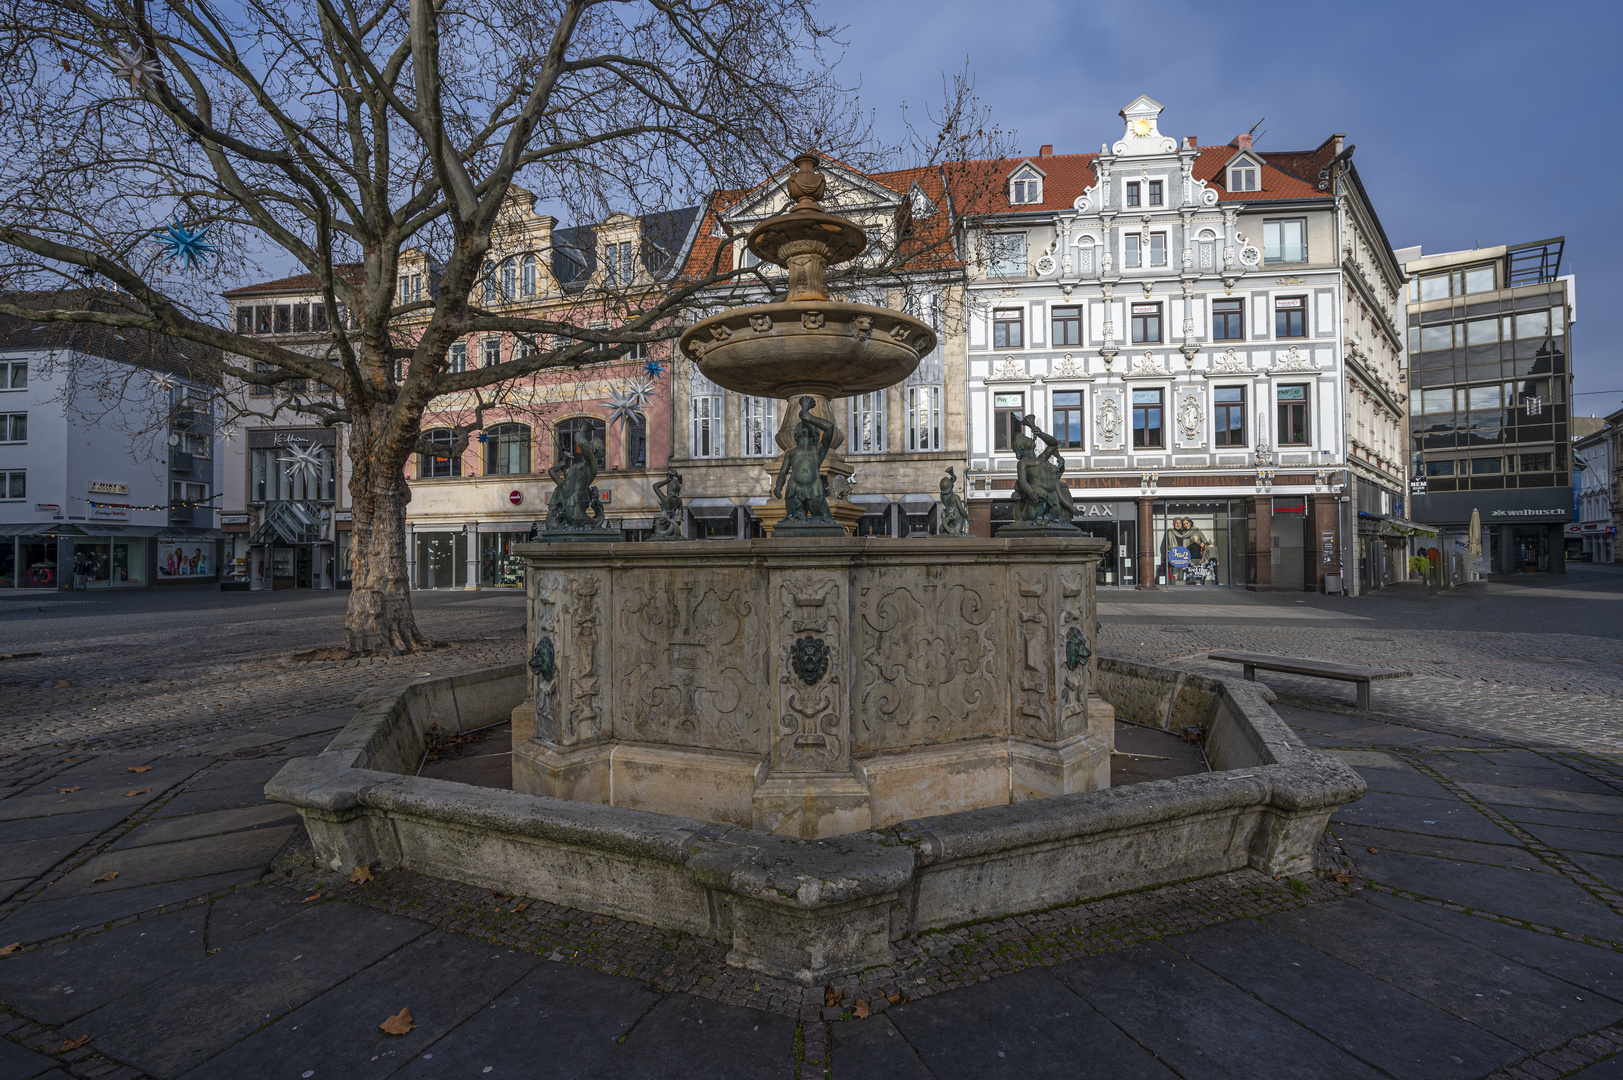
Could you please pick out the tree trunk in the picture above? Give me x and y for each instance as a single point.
(379, 619)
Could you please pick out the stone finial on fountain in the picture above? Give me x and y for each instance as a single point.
(806, 185)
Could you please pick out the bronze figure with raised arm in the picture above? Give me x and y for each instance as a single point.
(800, 478)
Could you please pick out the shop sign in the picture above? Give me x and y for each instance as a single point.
(1096, 510)
(344, 515)
(110, 510)
(48, 508)
(515, 496)
(1178, 556)
(1417, 485)
(100, 487)
(233, 519)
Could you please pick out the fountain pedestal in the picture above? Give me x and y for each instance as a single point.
(812, 686)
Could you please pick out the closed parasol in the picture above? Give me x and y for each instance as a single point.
(1476, 534)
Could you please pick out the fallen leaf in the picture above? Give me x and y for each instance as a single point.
(72, 1045)
(399, 1023)
(68, 790)
(1343, 878)
(363, 874)
(896, 999)
(109, 876)
(15, 946)
(140, 768)
(143, 791)
(860, 1009)
(521, 907)
(313, 896)
(831, 997)
(61, 682)
(1372, 851)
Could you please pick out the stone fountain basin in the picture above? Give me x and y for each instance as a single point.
(773, 350)
(809, 910)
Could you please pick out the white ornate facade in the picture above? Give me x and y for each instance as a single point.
(1210, 332)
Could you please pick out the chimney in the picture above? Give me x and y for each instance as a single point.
(1242, 141)
(1190, 142)
(1047, 150)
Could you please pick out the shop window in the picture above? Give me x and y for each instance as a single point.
(1294, 429)
(14, 484)
(1008, 329)
(1284, 241)
(1146, 324)
(439, 465)
(1290, 316)
(499, 566)
(924, 418)
(1068, 418)
(507, 450)
(1007, 410)
(1228, 320)
(759, 420)
(1065, 327)
(575, 434)
(1147, 420)
(1228, 416)
(867, 429)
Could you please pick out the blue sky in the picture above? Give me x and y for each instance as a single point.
(1484, 121)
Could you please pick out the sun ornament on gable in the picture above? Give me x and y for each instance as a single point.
(1026, 185)
(1142, 135)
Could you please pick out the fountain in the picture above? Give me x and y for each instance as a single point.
(811, 745)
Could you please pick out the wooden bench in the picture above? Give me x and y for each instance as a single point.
(1320, 669)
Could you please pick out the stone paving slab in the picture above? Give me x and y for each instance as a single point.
(1360, 839)
(44, 919)
(684, 1036)
(20, 1063)
(211, 823)
(1548, 798)
(197, 857)
(29, 859)
(875, 1048)
(1438, 817)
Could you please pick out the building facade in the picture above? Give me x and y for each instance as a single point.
(897, 442)
(1593, 477)
(109, 468)
(1210, 334)
(1489, 341)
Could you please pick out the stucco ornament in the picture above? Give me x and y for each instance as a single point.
(1009, 368)
(1294, 360)
(1250, 255)
(1147, 364)
(1228, 362)
(1045, 265)
(809, 658)
(1190, 418)
(1107, 421)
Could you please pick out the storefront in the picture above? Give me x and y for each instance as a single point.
(500, 566)
(1203, 543)
(28, 559)
(442, 560)
(1522, 530)
(85, 555)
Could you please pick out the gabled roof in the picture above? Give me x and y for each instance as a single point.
(139, 348)
(297, 284)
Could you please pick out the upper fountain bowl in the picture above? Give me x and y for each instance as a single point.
(807, 343)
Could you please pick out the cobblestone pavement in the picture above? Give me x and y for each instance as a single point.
(168, 922)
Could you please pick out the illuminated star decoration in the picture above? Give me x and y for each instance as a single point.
(228, 434)
(653, 368)
(135, 68)
(183, 245)
(163, 382)
(307, 460)
(625, 405)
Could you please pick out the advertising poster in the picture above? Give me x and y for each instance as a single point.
(177, 559)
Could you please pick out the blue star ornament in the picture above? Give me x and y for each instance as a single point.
(184, 246)
(653, 368)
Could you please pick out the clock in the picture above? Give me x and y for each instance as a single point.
(1140, 128)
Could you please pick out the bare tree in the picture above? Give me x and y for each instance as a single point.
(356, 137)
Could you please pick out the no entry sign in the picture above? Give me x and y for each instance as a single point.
(515, 497)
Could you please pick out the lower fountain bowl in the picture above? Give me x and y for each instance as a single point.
(769, 350)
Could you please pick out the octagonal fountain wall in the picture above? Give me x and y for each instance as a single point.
(813, 686)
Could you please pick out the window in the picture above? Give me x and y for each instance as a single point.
(1065, 328)
(245, 320)
(262, 319)
(1146, 323)
(458, 359)
(1008, 329)
(1440, 468)
(411, 288)
(196, 444)
(14, 427)
(14, 375)
(1158, 249)
(1130, 256)
(1147, 420)
(1477, 279)
(1068, 418)
(1025, 188)
(507, 450)
(1007, 410)
(1536, 463)
(318, 317)
(1228, 416)
(924, 418)
(1134, 193)
(1007, 254)
(1155, 193)
(573, 436)
(509, 279)
(1290, 316)
(284, 318)
(1487, 466)
(867, 433)
(490, 351)
(1284, 241)
(705, 439)
(185, 494)
(301, 318)
(1243, 176)
(760, 426)
(523, 347)
(13, 485)
(1228, 320)
(1293, 416)
(432, 466)
(1433, 338)
(526, 276)
(489, 289)
(257, 389)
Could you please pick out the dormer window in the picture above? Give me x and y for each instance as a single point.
(1026, 187)
(1243, 175)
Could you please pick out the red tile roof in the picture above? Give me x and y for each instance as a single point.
(298, 283)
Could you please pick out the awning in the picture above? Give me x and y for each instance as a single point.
(875, 503)
(918, 504)
(42, 528)
(190, 534)
(637, 523)
(287, 523)
(1396, 526)
(713, 508)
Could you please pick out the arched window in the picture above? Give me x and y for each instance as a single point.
(575, 433)
(507, 450)
(430, 466)
(527, 275)
(509, 279)
(489, 290)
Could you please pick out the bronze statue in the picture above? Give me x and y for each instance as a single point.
(1041, 499)
(668, 525)
(800, 478)
(954, 514)
(575, 502)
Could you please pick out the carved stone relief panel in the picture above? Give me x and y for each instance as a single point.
(930, 665)
(546, 592)
(585, 687)
(689, 651)
(812, 731)
(1076, 640)
(1035, 701)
